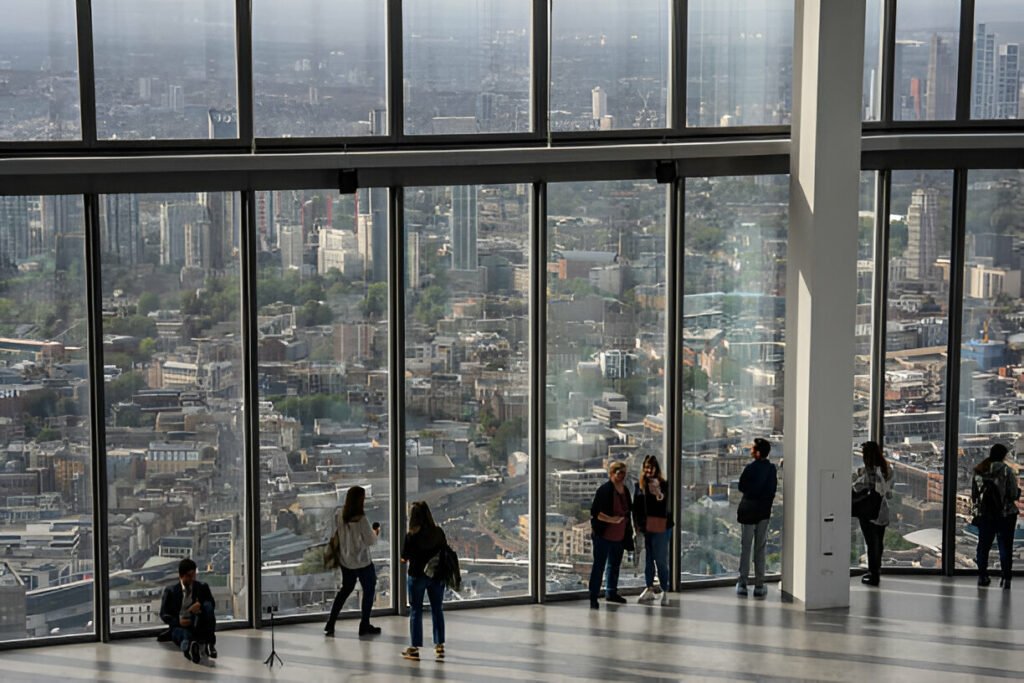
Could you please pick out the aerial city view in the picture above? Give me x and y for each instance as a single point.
(172, 320)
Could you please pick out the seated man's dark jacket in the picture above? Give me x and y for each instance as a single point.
(170, 603)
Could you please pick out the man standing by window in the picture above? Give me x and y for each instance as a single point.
(758, 484)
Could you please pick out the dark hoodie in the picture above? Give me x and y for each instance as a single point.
(758, 484)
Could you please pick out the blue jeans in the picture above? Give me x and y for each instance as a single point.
(607, 558)
(434, 589)
(367, 577)
(656, 555)
(989, 530)
(200, 630)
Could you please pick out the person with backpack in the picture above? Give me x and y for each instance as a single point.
(877, 476)
(758, 484)
(355, 536)
(994, 492)
(423, 542)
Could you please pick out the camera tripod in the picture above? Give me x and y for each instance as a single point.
(269, 661)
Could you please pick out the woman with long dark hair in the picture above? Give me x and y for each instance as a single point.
(423, 542)
(994, 492)
(653, 516)
(355, 536)
(876, 475)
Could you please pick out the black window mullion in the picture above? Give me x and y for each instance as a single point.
(965, 62)
(880, 304)
(673, 425)
(86, 72)
(540, 71)
(395, 73)
(888, 61)
(538, 372)
(677, 71)
(244, 71)
(250, 397)
(396, 388)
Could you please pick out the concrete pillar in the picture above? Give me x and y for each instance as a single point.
(821, 287)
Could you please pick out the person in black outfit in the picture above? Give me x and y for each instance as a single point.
(994, 474)
(187, 609)
(758, 484)
(652, 515)
(422, 543)
(612, 534)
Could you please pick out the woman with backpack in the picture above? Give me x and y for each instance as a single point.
(652, 516)
(994, 492)
(876, 475)
(355, 536)
(422, 543)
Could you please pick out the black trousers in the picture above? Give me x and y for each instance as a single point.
(874, 536)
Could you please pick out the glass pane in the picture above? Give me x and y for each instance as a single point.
(46, 506)
(734, 320)
(610, 64)
(319, 71)
(466, 66)
(863, 330)
(165, 70)
(322, 299)
(39, 89)
(927, 41)
(739, 63)
(916, 337)
(605, 357)
(467, 367)
(874, 28)
(998, 34)
(990, 340)
(172, 354)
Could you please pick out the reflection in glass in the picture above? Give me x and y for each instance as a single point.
(739, 62)
(165, 70)
(609, 64)
(874, 29)
(927, 41)
(46, 502)
(39, 87)
(990, 340)
(319, 68)
(734, 309)
(996, 66)
(172, 355)
(466, 66)
(467, 398)
(917, 331)
(323, 382)
(605, 357)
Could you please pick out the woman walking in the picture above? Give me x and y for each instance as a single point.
(994, 492)
(423, 542)
(355, 536)
(612, 533)
(876, 475)
(651, 514)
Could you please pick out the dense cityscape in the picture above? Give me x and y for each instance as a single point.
(173, 375)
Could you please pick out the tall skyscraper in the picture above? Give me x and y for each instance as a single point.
(61, 215)
(598, 103)
(922, 234)
(222, 124)
(464, 227)
(940, 97)
(1007, 82)
(984, 73)
(412, 260)
(174, 217)
(14, 232)
(120, 233)
(291, 247)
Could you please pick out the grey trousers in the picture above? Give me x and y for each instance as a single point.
(758, 535)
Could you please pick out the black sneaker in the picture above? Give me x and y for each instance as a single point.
(193, 652)
(164, 637)
(369, 630)
(594, 604)
(984, 581)
(616, 598)
(211, 651)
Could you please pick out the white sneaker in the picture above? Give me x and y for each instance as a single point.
(647, 596)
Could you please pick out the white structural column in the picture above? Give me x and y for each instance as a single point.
(821, 286)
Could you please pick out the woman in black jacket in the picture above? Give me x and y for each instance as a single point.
(651, 514)
(423, 541)
(612, 533)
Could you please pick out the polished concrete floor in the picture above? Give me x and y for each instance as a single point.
(911, 629)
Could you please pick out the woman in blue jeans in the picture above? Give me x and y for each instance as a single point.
(422, 542)
(612, 534)
(651, 514)
(355, 536)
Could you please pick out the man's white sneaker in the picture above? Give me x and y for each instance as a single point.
(647, 596)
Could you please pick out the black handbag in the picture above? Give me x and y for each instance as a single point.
(866, 504)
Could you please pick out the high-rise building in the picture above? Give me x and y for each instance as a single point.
(984, 73)
(222, 124)
(940, 96)
(291, 246)
(120, 232)
(598, 103)
(174, 217)
(61, 215)
(922, 234)
(338, 250)
(14, 230)
(378, 234)
(464, 227)
(176, 98)
(1007, 82)
(412, 260)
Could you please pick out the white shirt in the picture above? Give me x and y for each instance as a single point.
(354, 541)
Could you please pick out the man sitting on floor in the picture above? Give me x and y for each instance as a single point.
(187, 609)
